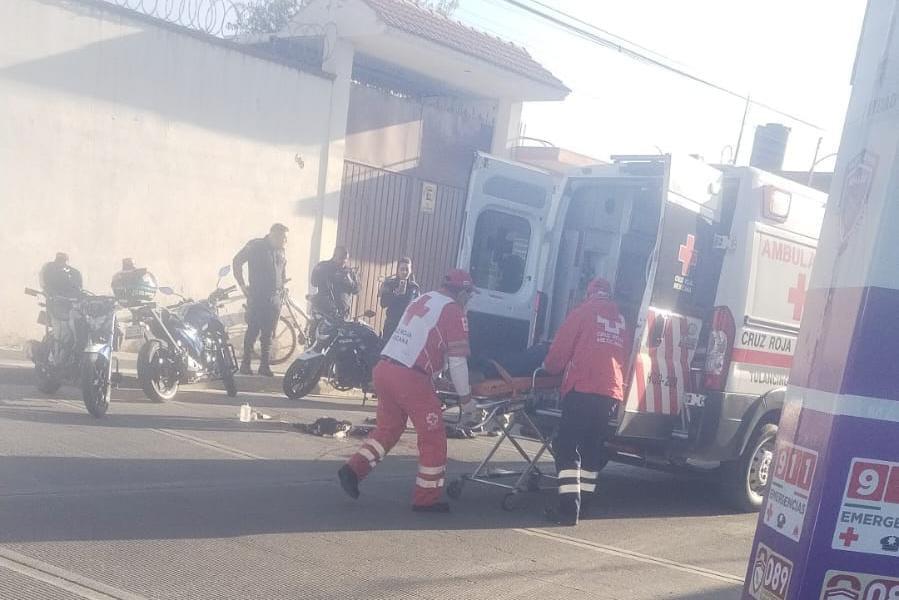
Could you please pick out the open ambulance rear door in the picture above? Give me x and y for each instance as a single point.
(502, 247)
(679, 297)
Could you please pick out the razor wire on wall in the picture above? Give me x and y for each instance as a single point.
(228, 19)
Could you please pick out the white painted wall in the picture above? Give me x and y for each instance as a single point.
(119, 138)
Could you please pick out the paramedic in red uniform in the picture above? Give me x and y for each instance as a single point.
(431, 336)
(590, 348)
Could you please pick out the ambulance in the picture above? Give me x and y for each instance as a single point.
(710, 265)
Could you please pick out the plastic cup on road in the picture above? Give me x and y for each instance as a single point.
(245, 413)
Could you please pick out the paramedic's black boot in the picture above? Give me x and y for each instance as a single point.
(264, 370)
(437, 507)
(245, 368)
(553, 515)
(349, 481)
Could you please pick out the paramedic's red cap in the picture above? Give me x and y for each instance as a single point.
(457, 279)
(599, 287)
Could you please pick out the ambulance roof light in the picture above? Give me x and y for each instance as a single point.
(776, 203)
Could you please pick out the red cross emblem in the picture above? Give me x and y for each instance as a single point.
(796, 297)
(419, 308)
(849, 536)
(686, 254)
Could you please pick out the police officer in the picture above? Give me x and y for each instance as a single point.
(396, 293)
(58, 278)
(267, 266)
(590, 348)
(335, 284)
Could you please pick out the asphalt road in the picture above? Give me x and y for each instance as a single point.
(181, 500)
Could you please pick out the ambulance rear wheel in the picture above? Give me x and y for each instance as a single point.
(746, 480)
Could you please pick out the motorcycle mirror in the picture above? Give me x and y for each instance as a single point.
(167, 291)
(224, 271)
(369, 314)
(31, 292)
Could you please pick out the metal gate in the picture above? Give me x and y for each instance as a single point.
(385, 215)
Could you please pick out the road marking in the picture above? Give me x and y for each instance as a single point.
(630, 554)
(61, 578)
(210, 444)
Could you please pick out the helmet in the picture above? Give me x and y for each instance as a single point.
(599, 287)
(457, 279)
(132, 287)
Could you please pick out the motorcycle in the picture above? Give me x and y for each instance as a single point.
(343, 352)
(185, 343)
(79, 337)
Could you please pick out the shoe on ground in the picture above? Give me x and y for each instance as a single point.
(437, 507)
(265, 371)
(553, 515)
(349, 481)
(245, 369)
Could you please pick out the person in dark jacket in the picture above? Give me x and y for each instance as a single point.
(335, 283)
(267, 270)
(59, 278)
(396, 293)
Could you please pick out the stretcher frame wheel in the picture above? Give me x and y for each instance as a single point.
(511, 501)
(454, 489)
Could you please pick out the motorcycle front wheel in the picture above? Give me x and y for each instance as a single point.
(226, 369)
(95, 384)
(299, 380)
(45, 381)
(156, 371)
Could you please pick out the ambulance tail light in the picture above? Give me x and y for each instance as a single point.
(720, 347)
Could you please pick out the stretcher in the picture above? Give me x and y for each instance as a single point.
(525, 409)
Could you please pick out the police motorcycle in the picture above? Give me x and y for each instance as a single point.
(343, 352)
(80, 333)
(185, 342)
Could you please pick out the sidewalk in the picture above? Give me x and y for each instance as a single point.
(15, 367)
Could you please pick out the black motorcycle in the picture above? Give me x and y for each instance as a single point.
(185, 343)
(79, 337)
(343, 352)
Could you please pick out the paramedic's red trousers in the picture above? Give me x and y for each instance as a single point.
(403, 393)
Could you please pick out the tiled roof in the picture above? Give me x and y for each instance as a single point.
(411, 18)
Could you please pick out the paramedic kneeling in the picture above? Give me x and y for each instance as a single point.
(590, 349)
(431, 335)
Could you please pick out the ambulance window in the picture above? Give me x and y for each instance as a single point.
(500, 251)
(514, 190)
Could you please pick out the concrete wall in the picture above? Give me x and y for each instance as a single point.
(429, 140)
(121, 137)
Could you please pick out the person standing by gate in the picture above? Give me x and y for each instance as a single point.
(431, 335)
(396, 294)
(267, 267)
(591, 348)
(335, 284)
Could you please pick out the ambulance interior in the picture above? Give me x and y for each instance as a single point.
(609, 230)
(607, 226)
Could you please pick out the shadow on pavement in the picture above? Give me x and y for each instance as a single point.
(84, 498)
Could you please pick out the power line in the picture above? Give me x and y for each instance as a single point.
(641, 56)
(605, 31)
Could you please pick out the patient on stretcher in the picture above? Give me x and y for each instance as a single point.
(509, 374)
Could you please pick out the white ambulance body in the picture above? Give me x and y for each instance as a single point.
(710, 266)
